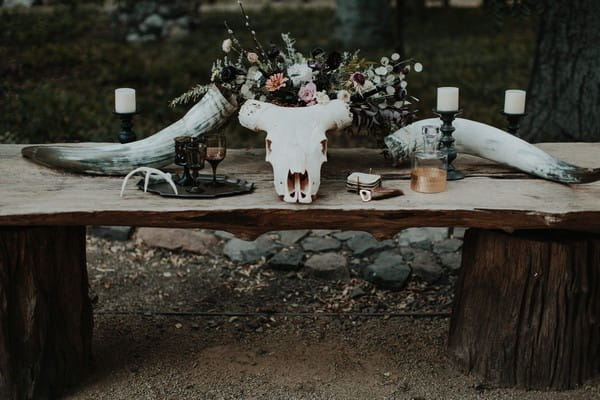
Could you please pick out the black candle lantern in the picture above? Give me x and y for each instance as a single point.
(514, 122)
(126, 135)
(447, 142)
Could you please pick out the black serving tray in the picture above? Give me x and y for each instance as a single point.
(226, 186)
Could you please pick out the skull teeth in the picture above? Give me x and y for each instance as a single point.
(298, 187)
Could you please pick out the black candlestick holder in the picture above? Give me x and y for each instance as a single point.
(127, 134)
(514, 122)
(447, 142)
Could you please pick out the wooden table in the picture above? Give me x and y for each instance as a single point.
(528, 302)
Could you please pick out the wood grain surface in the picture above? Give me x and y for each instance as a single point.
(492, 197)
(526, 308)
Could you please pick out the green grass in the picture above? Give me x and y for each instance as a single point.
(59, 69)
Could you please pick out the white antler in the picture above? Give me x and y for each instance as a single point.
(149, 172)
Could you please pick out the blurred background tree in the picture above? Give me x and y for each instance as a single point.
(563, 98)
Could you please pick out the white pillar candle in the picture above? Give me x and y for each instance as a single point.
(124, 100)
(514, 101)
(447, 99)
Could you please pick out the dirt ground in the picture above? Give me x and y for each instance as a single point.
(182, 326)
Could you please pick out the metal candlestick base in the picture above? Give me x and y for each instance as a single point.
(127, 134)
(447, 142)
(514, 122)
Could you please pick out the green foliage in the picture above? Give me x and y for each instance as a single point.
(59, 69)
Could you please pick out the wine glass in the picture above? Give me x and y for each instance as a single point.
(195, 154)
(216, 148)
(181, 159)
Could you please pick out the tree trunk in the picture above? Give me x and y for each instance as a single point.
(363, 24)
(45, 313)
(527, 308)
(564, 90)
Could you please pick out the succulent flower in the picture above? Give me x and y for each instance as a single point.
(275, 82)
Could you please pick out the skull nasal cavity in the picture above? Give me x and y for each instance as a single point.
(324, 146)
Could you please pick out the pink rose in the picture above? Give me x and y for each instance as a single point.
(307, 92)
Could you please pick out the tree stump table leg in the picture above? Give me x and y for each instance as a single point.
(527, 308)
(45, 312)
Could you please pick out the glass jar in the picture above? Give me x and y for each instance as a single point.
(429, 167)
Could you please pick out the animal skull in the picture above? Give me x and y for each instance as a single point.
(296, 142)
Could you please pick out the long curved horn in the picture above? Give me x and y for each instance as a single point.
(155, 151)
(494, 144)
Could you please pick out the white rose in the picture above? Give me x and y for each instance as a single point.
(246, 92)
(344, 95)
(368, 86)
(395, 56)
(300, 73)
(418, 67)
(390, 90)
(322, 98)
(385, 61)
(227, 45)
(381, 71)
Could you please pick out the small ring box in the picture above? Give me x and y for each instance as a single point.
(359, 180)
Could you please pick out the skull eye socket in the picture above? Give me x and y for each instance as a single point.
(324, 146)
(268, 144)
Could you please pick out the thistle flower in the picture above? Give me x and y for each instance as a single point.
(275, 82)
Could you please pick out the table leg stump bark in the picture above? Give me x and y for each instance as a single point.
(45, 312)
(527, 308)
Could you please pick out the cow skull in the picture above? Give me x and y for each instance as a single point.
(296, 142)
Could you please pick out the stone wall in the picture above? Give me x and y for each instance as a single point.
(149, 20)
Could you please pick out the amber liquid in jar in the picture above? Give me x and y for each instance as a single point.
(428, 179)
(429, 167)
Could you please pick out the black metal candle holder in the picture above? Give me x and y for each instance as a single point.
(127, 134)
(447, 142)
(514, 122)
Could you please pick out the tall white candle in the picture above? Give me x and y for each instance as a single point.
(447, 99)
(124, 100)
(514, 101)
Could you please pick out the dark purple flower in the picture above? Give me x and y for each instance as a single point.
(273, 52)
(334, 60)
(228, 73)
(317, 52)
(358, 78)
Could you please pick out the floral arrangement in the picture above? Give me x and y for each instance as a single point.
(375, 91)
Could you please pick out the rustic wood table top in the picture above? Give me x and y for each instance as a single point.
(491, 196)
